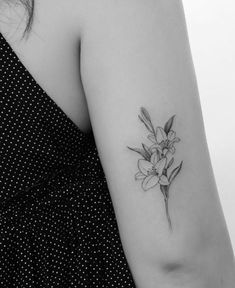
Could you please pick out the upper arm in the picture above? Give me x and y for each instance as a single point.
(136, 54)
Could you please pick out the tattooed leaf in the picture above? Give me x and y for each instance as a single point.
(165, 191)
(175, 172)
(170, 163)
(147, 150)
(147, 125)
(145, 114)
(142, 152)
(169, 124)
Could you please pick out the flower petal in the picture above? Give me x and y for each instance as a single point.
(163, 180)
(154, 158)
(160, 165)
(145, 166)
(161, 135)
(139, 176)
(171, 135)
(149, 182)
(170, 160)
(156, 147)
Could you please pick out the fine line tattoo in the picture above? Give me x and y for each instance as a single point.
(157, 158)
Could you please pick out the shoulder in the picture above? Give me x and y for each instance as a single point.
(93, 14)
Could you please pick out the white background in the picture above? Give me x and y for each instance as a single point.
(211, 28)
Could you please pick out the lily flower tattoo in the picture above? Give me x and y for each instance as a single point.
(157, 158)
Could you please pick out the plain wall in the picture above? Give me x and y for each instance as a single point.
(211, 28)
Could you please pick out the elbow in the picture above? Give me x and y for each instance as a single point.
(179, 273)
(194, 256)
(169, 273)
(193, 263)
(185, 261)
(171, 264)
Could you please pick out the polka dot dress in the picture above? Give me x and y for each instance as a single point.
(57, 222)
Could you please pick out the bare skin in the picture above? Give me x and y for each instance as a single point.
(51, 52)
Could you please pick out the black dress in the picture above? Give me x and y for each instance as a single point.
(57, 222)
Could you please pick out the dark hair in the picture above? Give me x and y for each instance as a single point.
(29, 7)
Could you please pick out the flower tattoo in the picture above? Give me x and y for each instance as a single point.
(157, 158)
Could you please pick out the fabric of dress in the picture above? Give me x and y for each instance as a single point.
(57, 222)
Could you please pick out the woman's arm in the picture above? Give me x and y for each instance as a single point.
(136, 54)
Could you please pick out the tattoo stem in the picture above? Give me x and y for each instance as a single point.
(167, 213)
